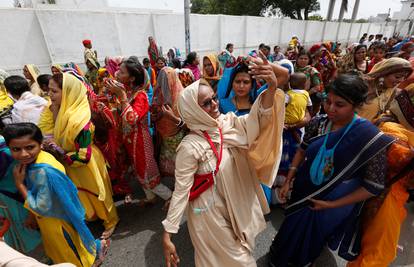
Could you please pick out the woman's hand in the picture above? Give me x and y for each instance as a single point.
(19, 173)
(284, 191)
(321, 204)
(169, 114)
(170, 252)
(261, 69)
(31, 222)
(116, 88)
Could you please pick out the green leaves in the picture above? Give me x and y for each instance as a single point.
(291, 8)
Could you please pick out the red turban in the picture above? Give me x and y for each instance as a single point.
(315, 48)
(86, 42)
(406, 46)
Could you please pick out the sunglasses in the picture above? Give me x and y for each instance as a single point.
(209, 102)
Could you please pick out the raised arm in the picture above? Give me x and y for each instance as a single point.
(273, 74)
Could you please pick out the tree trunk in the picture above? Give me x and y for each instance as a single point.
(306, 13)
(299, 14)
(292, 16)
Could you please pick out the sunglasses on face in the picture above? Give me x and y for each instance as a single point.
(209, 102)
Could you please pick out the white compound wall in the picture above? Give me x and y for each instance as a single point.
(46, 36)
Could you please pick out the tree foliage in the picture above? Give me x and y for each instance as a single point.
(290, 8)
(294, 8)
(228, 7)
(315, 17)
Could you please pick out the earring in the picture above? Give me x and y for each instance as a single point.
(381, 82)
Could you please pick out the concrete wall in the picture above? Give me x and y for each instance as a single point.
(46, 36)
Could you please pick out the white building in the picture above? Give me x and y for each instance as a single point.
(406, 12)
(381, 17)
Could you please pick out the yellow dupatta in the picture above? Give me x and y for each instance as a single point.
(74, 112)
(34, 72)
(218, 72)
(57, 66)
(5, 100)
(46, 123)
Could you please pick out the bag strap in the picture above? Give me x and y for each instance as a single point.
(213, 147)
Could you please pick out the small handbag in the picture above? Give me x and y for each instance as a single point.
(202, 182)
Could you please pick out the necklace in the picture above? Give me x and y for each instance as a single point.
(237, 104)
(322, 167)
(384, 99)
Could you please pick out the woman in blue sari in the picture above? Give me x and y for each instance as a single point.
(237, 90)
(52, 197)
(341, 163)
(19, 236)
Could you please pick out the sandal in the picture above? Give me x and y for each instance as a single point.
(105, 244)
(108, 233)
(128, 199)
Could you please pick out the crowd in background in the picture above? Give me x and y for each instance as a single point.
(324, 131)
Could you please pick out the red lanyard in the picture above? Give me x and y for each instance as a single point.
(213, 147)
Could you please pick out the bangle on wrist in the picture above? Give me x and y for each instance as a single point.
(293, 168)
(180, 124)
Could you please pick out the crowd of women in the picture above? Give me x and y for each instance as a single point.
(324, 133)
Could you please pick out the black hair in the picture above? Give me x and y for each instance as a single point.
(162, 59)
(304, 52)
(267, 47)
(351, 87)
(360, 46)
(135, 69)
(190, 58)
(261, 45)
(229, 45)
(145, 61)
(17, 130)
(297, 80)
(242, 68)
(276, 46)
(43, 79)
(176, 63)
(380, 45)
(58, 78)
(16, 85)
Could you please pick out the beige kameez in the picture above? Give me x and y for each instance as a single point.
(223, 233)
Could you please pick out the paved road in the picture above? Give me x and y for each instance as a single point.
(137, 240)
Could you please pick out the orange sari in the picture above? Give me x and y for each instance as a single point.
(384, 215)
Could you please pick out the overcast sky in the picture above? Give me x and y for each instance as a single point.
(366, 8)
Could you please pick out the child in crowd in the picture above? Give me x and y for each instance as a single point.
(297, 101)
(27, 106)
(52, 197)
(379, 50)
(43, 81)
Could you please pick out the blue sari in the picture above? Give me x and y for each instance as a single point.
(305, 232)
(226, 94)
(18, 236)
(52, 194)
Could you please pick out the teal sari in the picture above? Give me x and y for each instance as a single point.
(18, 236)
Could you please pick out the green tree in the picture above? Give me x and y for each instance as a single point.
(290, 8)
(315, 17)
(228, 7)
(361, 20)
(294, 8)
